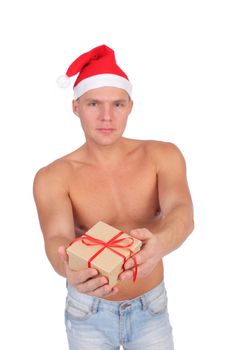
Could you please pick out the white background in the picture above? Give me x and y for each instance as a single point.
(178, 55)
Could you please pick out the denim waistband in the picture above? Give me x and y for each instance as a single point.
(95, 303)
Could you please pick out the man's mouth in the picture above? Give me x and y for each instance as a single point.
(105, 130)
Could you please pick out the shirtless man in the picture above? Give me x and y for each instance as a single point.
(137, 186)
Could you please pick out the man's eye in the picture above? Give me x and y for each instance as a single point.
(119, 104)
(92, 104)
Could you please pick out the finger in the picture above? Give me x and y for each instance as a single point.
(126, 275)
(106, 290)
(114, 290)
(63, 254)
(145, 269)
(142, 270)
(141, 233)
(92, 284)
(138, 259)
(83, 276)
(147, 251)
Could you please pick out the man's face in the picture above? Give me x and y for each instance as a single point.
(103, 113)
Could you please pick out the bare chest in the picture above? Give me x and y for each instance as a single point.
(125, 198)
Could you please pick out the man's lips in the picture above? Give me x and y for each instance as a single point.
(105, 129)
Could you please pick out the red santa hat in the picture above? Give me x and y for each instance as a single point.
(96, 68)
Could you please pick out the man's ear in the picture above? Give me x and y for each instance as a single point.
(75, 107)
(131, 106)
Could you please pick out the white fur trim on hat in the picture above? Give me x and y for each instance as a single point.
(63, 81)
(101, 80)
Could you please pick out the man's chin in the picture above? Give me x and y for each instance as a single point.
(107, 141)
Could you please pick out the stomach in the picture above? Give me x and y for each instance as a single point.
(130, 290)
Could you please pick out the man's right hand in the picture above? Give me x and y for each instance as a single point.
(87, 280)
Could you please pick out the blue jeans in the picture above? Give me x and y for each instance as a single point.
(136, 324)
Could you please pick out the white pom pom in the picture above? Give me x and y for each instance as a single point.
(63, 81)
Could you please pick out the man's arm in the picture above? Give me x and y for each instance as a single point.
(56, 219)
(176, 221)
(169, 231)
(55, 214)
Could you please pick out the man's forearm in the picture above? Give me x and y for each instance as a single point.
(173, 229)
(51, 247)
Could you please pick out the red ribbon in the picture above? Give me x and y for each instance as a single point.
(114, 242)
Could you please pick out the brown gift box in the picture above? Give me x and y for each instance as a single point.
(108, 262)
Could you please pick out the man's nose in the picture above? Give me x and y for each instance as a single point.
(106, 113)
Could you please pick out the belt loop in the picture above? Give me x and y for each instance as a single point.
(95, 305)
(143, 302)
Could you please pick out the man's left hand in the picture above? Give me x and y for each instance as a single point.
(147, 258)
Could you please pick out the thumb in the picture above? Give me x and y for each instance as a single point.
(62, 253)
(141, 233)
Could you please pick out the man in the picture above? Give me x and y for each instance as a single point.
(139, 187)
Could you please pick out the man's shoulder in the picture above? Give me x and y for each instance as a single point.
(53, 169)
(160, 147)
(56, 173)
(60, 167)
(52, 181)
(156, 147)
(163, 153)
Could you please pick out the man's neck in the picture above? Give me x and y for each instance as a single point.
(107, 155)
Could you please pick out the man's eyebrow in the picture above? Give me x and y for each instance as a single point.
(120, 100)
(90, 99)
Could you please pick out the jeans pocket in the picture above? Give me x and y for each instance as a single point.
(77, 310)
(158, 305)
